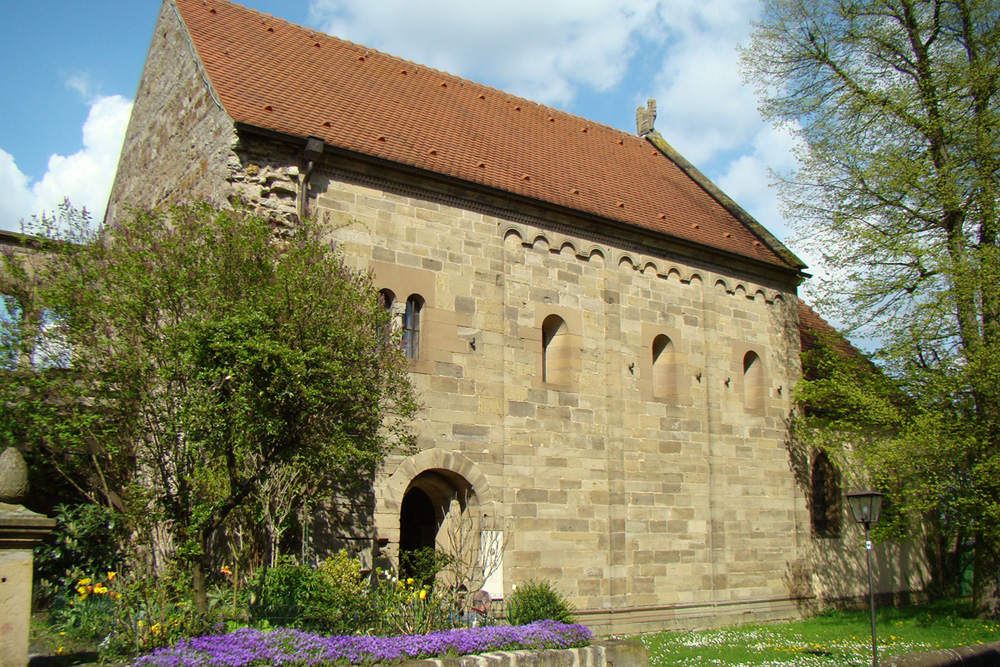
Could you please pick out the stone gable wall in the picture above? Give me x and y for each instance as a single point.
(177, 147)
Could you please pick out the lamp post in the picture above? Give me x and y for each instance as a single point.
(866, 506)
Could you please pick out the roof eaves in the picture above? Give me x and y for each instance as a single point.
(727, 202)
(495, 198)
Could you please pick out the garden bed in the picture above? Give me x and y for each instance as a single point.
(284, 646)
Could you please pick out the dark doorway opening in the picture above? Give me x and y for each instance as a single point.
(418, 524)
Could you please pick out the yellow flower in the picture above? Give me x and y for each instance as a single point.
(112, 575)
(155, 629)
(409, 582)
(61, 649)
(140, 624)
(83, 582)
(100, 590)
(118, 596)
(423, 593)
(82, 591)
(225, 570)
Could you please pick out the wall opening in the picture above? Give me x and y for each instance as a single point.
(664, 368)
(556, 351)
(411, 326)
(826, 496)
(754, 382)
(433, 498)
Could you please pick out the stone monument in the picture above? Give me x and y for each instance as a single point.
(20, 530)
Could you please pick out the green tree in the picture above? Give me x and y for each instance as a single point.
(896, 104)
(207, 354)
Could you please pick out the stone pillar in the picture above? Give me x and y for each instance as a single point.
(20, 530)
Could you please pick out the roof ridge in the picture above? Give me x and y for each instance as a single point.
(428, 68)
(300, 81)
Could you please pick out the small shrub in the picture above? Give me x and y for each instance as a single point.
(331, 598)
(281, 593)
(153, 611)
(423, 564)
(538, 601)
(405, 607)
(87, 539)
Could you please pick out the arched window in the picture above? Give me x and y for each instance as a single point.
(825, 505)
(386, 298)
(52, 349)
(10, 331)
(411, 326)
(753, 381)
(663, 367)
(556, 361)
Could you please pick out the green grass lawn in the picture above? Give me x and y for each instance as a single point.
(834, 638)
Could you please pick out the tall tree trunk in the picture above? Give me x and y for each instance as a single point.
(200, 591)
(986, 576)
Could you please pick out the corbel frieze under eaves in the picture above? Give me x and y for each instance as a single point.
(648, 265)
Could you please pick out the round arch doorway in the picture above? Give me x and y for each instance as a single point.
(426, 505)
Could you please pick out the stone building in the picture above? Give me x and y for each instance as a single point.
(604, 343)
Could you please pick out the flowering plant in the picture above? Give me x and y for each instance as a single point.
(409, 607)
(292, 647)
(87, 612)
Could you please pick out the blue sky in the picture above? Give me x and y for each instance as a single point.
(72, 68)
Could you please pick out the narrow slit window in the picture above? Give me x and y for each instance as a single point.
(753, 381)
(556, 362)
(663, 367)
(825, 506)
(387, 301)
(411, 326)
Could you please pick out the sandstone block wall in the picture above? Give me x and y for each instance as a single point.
(622, 498)
(647, 475)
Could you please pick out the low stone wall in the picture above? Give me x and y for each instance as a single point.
(984, 655)
(605, 653)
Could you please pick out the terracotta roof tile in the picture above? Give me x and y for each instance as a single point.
(813, 330)
(275, 75)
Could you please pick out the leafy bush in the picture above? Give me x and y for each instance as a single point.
(332, 597)
(406, 607)
(537, 601)
(423, 564)
(87, 539)
(152, 612)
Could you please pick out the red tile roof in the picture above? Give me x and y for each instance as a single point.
(272, 74)
(814, 330)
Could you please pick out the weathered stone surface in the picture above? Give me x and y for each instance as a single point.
(13, 476)
(639, 464)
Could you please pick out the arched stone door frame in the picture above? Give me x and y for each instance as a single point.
(433, 471)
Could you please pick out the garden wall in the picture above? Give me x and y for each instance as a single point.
(608, 653)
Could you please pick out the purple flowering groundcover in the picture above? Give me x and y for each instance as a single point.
(284, 646)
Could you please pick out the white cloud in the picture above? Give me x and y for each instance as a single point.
(541, 50)
(747, 178)
(85, 177)
(82, 84)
